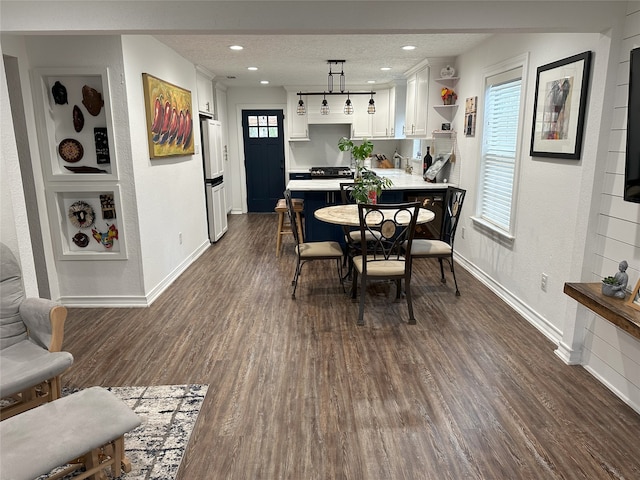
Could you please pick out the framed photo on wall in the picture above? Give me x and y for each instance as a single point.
(634, 299)
(559, 108)
(169, 118)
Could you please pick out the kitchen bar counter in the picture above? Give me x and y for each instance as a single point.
(401, 181)
(319, 193)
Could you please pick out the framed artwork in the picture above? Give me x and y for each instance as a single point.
(169, 118)
(634, 299)
(470, 109)
(559, 108)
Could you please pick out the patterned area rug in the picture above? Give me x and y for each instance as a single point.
(168, 415)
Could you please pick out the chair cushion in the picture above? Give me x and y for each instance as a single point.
(319, 250)
(355, 236)
(380, 268)
(25, 364)
(12, 329)
(428, 248)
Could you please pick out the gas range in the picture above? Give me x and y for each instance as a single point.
(331, 172)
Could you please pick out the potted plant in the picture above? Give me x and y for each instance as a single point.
(610, 286)
(367, 185)
(448, 95)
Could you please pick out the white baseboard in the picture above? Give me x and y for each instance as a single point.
(140, 301)
(533, 317)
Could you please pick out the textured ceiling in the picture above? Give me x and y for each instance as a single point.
(300, 60)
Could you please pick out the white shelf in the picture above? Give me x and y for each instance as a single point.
(445, 106)
(447, 79)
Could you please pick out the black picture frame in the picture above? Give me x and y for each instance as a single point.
(559, 107)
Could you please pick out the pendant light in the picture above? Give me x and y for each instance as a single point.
(324, 108)
(301, 110)
(348, 107)
(372, 106)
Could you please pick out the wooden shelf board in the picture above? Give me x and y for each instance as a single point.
(612, 309)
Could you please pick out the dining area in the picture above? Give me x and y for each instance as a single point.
(378, 244)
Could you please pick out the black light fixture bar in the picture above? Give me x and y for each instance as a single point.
(347, 92)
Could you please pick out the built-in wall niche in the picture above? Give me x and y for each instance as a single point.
(87, 222)
(73, 112)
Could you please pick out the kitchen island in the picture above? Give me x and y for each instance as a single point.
(318, 193)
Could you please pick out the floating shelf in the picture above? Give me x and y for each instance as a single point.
(447, 79)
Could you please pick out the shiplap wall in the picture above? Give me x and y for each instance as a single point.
(610, 353)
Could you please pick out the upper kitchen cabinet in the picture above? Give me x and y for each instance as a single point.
(380, 124)
(383, 121)
(417, 101)
(204, 85)
(297, 125)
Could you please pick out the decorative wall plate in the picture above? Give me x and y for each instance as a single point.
(447, 72)
(81, 214)
(70, 150)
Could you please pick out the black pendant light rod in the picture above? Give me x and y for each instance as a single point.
(346, 92)
(342, 83)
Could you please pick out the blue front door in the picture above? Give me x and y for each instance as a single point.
(263, 135)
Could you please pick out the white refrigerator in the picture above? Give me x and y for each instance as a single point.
(213, 158)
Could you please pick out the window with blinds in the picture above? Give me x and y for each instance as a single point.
(501, 132)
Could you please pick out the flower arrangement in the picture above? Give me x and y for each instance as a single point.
(449, 97)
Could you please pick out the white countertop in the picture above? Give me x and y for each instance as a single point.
(401, 181)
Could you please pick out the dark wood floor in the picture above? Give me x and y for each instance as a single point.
(298, 391)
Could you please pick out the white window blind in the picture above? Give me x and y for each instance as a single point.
(499, 153)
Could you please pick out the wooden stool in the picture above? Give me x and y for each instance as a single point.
(284, 228)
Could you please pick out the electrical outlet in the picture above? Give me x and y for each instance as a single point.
(462, 232)
(180, 238)
(543, 282)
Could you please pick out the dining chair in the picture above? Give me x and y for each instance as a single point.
(391, 226)
(310, 251)
(442, 249)
(352, 236)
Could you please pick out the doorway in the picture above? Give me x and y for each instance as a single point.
(263, 135)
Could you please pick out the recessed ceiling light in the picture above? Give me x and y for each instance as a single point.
(253, 69)
(371, 81)
(409, 47)
(264, 82)
(236, 47)
(385, 68)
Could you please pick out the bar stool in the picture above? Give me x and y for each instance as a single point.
(284, 227)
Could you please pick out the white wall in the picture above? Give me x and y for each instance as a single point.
(14, 229)
(83, 282)
(609, 353)
(550, 197)
(170, 194)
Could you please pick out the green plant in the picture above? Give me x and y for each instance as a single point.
(610, 281)
(365, 180)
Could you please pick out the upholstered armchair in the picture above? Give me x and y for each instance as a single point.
(31, 334)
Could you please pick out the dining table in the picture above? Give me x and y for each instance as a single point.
(347, 215)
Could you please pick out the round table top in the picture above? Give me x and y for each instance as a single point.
(348, 215)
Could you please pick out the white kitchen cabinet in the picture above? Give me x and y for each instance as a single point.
(204, 86)
(417, 101)
(361, 119)
(297, 125)
(383, 121)
(377, 125)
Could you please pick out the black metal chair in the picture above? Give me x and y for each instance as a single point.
(442, 249)
(309, 251)
(352, 236)
(391, 226)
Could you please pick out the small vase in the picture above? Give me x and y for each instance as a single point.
(447, 101)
